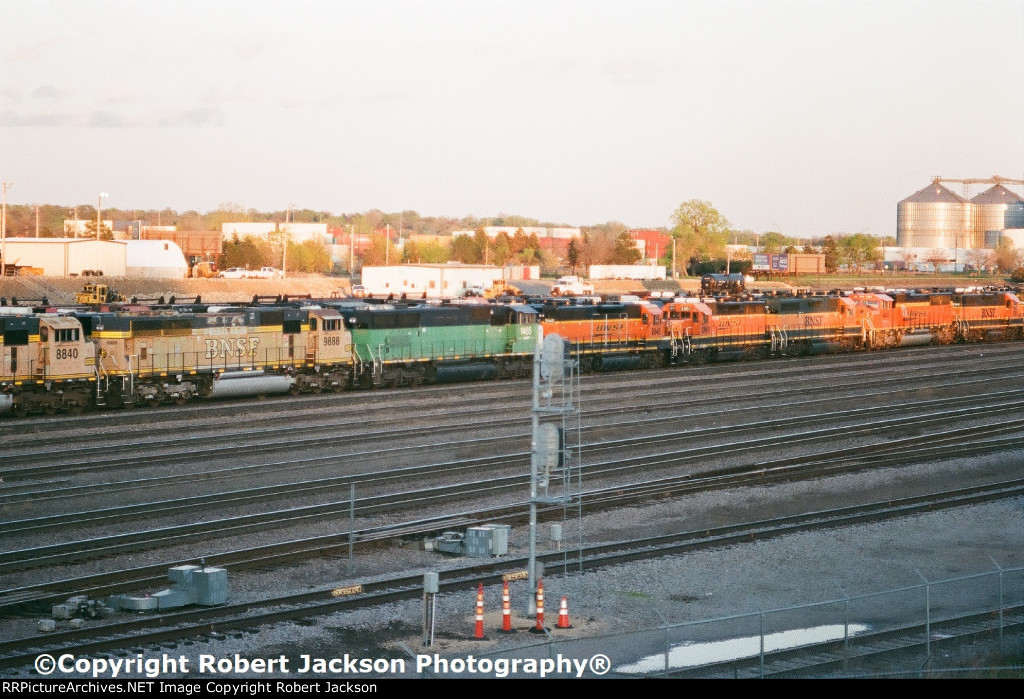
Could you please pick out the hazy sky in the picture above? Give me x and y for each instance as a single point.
(809, 117)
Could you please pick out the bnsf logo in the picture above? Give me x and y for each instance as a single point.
(813, 321)
(988, 313)
(238, 347)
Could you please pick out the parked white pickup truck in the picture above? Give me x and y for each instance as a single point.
(571, 286)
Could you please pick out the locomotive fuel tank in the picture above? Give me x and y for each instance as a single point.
(916, 339)
(249, 383)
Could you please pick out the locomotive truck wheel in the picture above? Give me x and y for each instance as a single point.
(76, 409)
(294, 390)
(49, 409)
(19, 410)
(153, 402)
(315, 388)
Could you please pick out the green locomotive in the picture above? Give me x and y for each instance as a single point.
(408, 346)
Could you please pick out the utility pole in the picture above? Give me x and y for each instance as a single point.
(99, 209)
(3, 233)
(351, 249)
(37, 221)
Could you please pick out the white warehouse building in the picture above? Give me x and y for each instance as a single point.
(438, 281)
(64, 257)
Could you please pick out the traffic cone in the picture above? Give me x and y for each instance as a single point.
(539, 628)
(563, 616)
(506, 609)
(479, 612)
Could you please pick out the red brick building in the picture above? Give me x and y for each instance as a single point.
(655, 242)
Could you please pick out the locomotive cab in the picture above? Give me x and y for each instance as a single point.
(329, 339)
(63, 349)
(41, 352)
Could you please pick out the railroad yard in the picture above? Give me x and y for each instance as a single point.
(767, 484)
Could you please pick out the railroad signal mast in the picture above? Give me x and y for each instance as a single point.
(555, 473)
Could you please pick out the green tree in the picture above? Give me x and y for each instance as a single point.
(435, 253)
(501, 249)
(381, 252)
(625, 252)
(700, 233)
(464, 249)
(1005, 256)
(309, 256)
(482, 244)
(249, 252)
(859, 250)
(519, 242)
(573, 254)
(412, 252)
(772, 242)
(831, 250)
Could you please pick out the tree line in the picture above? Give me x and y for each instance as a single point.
(699, 235)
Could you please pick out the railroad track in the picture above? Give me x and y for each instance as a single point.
(970, 442)
(143, 631)
(376, 407)
(940, 410)
(271, 440)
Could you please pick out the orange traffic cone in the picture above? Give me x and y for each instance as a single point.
(479, 612)
(506, 609)
(539, 628)
(563, 616)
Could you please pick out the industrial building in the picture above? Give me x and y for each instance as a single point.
(449, 280)
(63, 257)
(937, 217)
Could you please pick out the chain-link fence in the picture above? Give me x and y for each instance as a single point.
(965, 626)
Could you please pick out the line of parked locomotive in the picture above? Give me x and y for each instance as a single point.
(121, 355)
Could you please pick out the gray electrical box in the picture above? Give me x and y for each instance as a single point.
(450, 542)
(211, 586)
(488, 540)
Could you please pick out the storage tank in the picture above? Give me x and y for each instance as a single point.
(935, 217)
(997, 209)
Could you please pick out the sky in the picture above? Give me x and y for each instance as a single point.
(807, 118)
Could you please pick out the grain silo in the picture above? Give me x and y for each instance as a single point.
(996, 209)
(935, 217)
